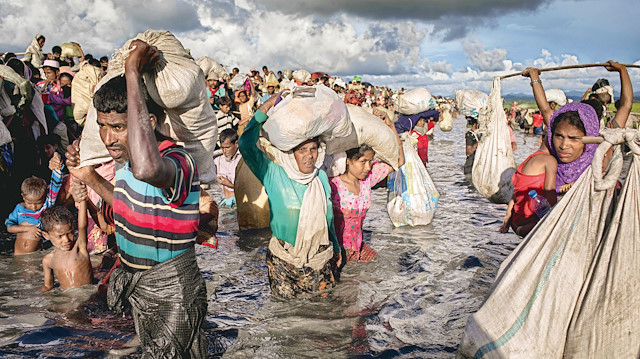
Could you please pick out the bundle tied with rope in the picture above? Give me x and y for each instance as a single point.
(570, 289)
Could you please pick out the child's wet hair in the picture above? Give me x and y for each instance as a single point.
(34, 186)
(55, 215)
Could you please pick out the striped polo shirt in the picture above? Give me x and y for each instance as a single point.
(154, 224)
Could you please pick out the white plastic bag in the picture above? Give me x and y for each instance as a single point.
(446, 121)
(493, 165)
(237, 82)
(177, 85)
(471, 101)
(308, 112)
(412, 197)
(415, 101)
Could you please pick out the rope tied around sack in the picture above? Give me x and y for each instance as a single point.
(613, 137)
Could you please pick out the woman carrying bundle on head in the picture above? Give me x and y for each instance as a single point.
(351, 196)
(303, 254)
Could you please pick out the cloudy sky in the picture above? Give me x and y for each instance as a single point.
(440, 44)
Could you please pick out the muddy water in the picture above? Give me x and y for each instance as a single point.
(411, 302)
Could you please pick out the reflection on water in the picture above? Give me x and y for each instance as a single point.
(411, 302)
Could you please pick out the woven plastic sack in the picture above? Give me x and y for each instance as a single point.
(412, 197)
(557, 96)
(471, 101)
(446, 121)
(369, 130)
(177, 85)
(493, 165)
(22, 85)
(237, 82)
(209, 65)
(305, 113)
(415, 101)
(82, 88)
(70, 49)
(570, 289)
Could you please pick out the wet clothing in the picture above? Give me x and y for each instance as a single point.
(420, 134)
(154, 224)
(168, 305)
(287, 281)
(522, 184)
(227, 167)
(350, 209)
(407, 122)
(470, 140)
(285, 194)
(23, 215)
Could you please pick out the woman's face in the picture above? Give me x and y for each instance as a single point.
(41, 42)
(567, 141)
(242, 96)
(361, 167)
(306, 155)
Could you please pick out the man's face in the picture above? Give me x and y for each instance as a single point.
(49, 73)
(212, 82)
(104, 64)
(271, 90)
(229, 148)
(56, 55)
(265, 70)
(113, 132)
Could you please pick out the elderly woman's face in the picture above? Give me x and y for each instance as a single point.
(306, 155)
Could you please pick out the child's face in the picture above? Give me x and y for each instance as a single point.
(421, 122)
(65, 81)
(62, 236)
(242, 96)
(33, 202)
(225, 108)
(50, 73)
(49, 149)
(229, 148)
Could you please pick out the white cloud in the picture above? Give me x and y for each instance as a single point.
(442, 66)
(484, 60)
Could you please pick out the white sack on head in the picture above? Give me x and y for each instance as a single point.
(177, 85)
(82, 88)
(557, 96)
(415, 101)
(446, 121)
(570, 288)
(335, 164)
(237, 82)
(493, 165)
(70, 49)
(471, 101)
(369, 130)
(209, 65)
(307, 112)
(302, 75)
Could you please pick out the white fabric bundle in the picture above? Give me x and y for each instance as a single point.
(22, 85)
(6, 108)
(446, 121)
(557, 96)
(570, 289)
(471, 101)
(493, 165)
(237, 82)
(209, 65)
(415, 101)
(69, 50)
(82, 88)
(305, 113)
(177, 85)
(412, 197)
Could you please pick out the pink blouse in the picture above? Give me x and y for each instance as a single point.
(349, 209)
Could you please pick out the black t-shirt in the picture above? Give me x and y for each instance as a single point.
(471, 138)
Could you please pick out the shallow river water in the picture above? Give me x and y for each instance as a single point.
(413, 301)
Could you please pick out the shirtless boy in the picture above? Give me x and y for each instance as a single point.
(69, 260)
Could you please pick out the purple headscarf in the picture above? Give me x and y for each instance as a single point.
(570, 172)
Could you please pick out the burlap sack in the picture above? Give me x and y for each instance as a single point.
(177, 85)
(415, 101)
(82, 88)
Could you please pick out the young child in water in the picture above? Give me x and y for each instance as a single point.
(25, 218)
(69, 261)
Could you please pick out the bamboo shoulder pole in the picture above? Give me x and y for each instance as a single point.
(567, 68)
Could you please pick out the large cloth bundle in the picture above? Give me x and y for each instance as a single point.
(82, 88)
(557, 96)
(177, 85)
(493, 165)
(415, 101)
(209, 65)
(412, 197)
(22, 85)
(570, 289)
(471, 101)
(69, 50)
(237, 82)
(305, 113)
(446, 123)
(369, 130)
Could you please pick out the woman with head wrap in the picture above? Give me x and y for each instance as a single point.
(34, 53)
(303, 253)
